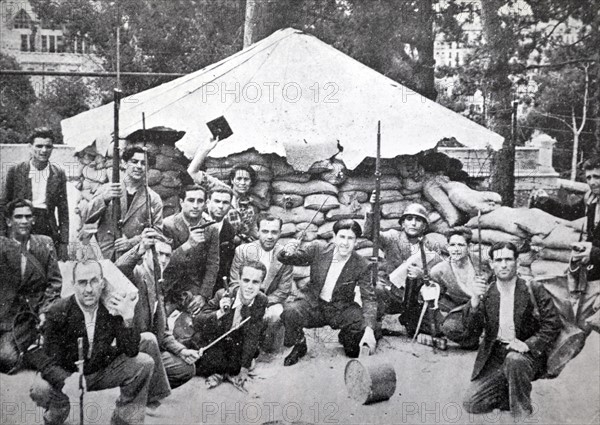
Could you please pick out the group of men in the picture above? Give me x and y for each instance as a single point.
(220, 264)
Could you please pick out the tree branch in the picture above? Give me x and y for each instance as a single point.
(560, 64)
(585, 98)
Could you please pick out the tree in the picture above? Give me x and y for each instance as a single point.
(16, 96)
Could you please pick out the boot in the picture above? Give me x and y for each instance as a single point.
(297, 353)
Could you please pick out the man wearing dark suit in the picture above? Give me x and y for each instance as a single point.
(173, 362)
(105, 366)
(191, 276)
(45, 185)
(29, 293)
(233, 355)
(336, 271)
(516, 343)
(134, 211)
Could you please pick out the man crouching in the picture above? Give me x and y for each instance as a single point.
(232, 357)
(105, 366)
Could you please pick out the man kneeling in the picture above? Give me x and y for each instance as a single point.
(105, 366)
(233, 355)
(336, 271)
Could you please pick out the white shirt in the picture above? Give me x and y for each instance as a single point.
(332, 276)
(237, 310)
(90, 325)
(506, 328)
(265, 257)
(39, 182)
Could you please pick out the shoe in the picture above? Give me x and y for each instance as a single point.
(297, 353)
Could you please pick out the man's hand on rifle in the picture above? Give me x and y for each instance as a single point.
(149, 236)
(478, 289)
(518, 346)
(123, 244)
(580, 251)
(111, 191)
(196, 238)
(71, 386)
(189, 356)
(415, 272)
(195, 305)
(291, 246)
(224, 306)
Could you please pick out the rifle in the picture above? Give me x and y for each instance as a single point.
(80, 361)
(116, 163)
(376, 212)
(226, 286)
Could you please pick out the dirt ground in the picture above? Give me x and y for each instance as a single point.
(429, 390)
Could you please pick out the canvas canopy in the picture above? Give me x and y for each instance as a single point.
(289, 94)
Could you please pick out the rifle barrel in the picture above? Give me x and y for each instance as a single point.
(376, 207)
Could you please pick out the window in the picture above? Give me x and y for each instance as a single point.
(78, 45)
(52, 48)
(44, 43)
(24, 42)
(60, 44)
(22, 20)
(32, 43)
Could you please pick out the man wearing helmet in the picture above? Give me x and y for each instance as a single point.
(402, 256)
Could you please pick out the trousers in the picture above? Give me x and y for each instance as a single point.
(131, 374)
(348, 317)
(504, 384)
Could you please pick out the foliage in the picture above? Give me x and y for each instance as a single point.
(16, 96)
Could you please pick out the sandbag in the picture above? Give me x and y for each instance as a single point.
(170, 179)
(154, 177)
(337, 175)
(504, 219)
(367, 184)
(221, 173)
(434, 193)
(363, 243)
(411, 185)
(321, 167)
(288, 201)
(171, 151)
(261, 203)
(548, 268)
(298, 215)
(261, 189)
(387, 224)
(440, 226)
(353, 211)
(250, 156)
(294, 177)
(491, 236)
(326, 230)
(350, 196)
(387, 196)
(471, 201)
(434, 216)
(280, 167)
(394, 209)
(288, 230)
(409, 167)
(165, 163)
(164, 192)
(322, 202)
(561, 237)
(304, 189)
(551, 254)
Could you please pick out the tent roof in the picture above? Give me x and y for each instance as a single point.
(289, 94)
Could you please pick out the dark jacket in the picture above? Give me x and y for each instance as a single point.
(538, 334)
(146, 318)
(65, 323)
(209, 328)
(40, 285)
(194, 270)
(319, 255)
(573, 212)
(18, 185)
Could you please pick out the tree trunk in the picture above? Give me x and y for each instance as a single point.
(425, 48)
(499, 43)
(263, 17)
(575, 146)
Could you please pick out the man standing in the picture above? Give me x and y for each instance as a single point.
(39, 283)
(134, 211)
(516, 342)
(277, 284)
(45, 185)
(191, 276)
(82, 315)
(232, 357)
(336, 270)
(173, 363)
